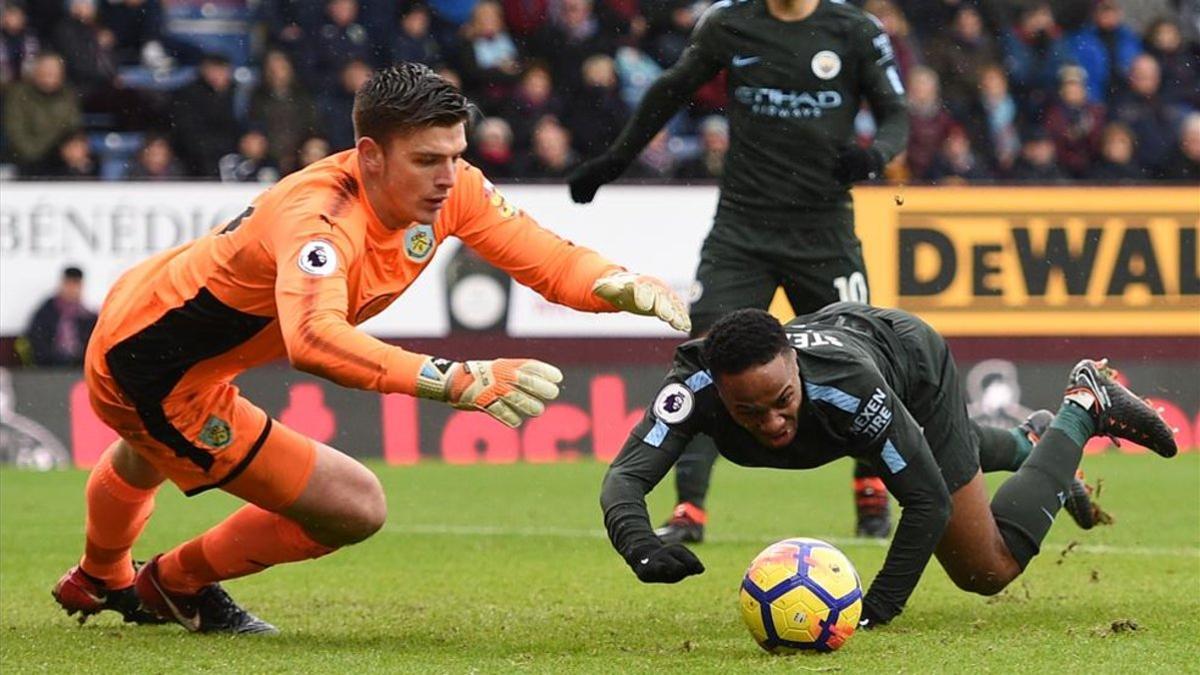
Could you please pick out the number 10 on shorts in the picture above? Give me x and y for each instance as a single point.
(852, 288)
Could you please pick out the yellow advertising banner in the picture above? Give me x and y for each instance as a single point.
(1036, 261)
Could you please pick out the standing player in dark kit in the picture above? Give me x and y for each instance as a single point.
(878, 385)
(798, 72)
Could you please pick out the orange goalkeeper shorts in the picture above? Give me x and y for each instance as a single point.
(204, 435)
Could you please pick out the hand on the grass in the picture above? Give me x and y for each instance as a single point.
(666, 564)
(871, 619)
(510, 390)
(587, 178)
(645, 295)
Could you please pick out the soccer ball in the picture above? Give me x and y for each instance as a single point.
(801, 595)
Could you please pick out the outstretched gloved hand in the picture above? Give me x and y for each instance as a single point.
(645, 295)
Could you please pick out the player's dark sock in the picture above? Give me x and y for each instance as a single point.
(693, 470)
(1076, 423)
(1023, 446)
(1025, 505)
(1001, 449)
(1007, 449)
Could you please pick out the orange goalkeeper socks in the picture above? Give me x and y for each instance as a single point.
(249, 541)
(117, 513)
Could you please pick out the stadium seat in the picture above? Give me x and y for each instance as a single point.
(115, 151)
(148, 79)
(221, 26)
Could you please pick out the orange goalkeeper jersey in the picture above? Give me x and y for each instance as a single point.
(299, 269)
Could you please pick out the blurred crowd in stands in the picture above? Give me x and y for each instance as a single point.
(1042, 91)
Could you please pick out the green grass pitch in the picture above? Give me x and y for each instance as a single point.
(505, 569)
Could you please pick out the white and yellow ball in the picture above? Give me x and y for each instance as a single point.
(801, 595)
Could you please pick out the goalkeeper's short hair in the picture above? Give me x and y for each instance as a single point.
(404, 98)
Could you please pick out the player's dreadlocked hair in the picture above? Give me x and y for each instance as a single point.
(741, 340)
(406, 97)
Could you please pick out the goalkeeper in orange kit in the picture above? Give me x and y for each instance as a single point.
(312, 257)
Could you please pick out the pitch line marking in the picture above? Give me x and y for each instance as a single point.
(578, 533)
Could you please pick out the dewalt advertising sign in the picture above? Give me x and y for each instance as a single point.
(1030, 261)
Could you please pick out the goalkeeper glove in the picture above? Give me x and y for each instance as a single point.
(587, 178)
(645, 295)
(855, 163)
(509, 390)
(665, 564)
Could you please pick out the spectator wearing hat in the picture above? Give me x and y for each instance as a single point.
(1033, 54)
(1074, 122)
(59, 330)
(1104, 47)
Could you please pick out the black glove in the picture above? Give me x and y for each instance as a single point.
(586, 178)
(871, 618)
(855, 163)
(665, 564)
